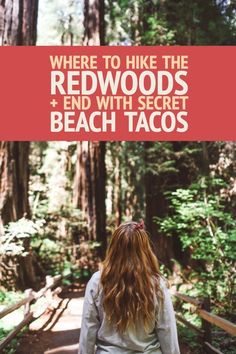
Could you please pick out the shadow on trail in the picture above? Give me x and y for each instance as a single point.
(50, 342)
(58, 330)
(54, 318)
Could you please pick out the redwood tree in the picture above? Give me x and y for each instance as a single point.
(18, 22)
(14, 177)
(90, 178)
(155, 203)
(18, 26)
(14, 204)
(94, 23)
(89, 190)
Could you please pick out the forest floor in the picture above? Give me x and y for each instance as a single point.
(57, 332)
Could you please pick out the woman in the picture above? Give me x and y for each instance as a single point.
(127, 307)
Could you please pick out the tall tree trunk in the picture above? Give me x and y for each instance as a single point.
(18, 26)
(117, 185)
(98, 174)
(135, 23)
(148, 8)
(94, 22)
(14, 177)
(18, 22)
(155, 207)
(84, 190)
(89, 188)
(14, 204)
(80, 195)
(151, 197)
(205, 159)
(90, 179)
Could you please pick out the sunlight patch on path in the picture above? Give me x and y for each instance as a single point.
(67, 317)
(69, 349)
(71, 317)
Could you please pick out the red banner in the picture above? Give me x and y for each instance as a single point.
(117, 93)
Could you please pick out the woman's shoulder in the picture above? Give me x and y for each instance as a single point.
(163, 282)
(94, 281)
(95, 278)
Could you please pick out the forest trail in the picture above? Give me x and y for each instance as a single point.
(57, 331)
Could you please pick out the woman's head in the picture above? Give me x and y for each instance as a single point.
(130, 278)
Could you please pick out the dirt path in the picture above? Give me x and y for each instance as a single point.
(57, 332)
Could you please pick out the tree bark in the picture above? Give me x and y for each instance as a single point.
(94, 22)
(205, 159)
(80, 199)
(90, 193)
(18, 22)
(98, 174)
(148, 8)
(117, 186)
(156, 206)
(14, 177)
(89, 188)
(14, 204)
(18, 26)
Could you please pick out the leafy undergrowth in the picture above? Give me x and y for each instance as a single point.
(10, 297)
(8, 323)
(223, 341)
(11, 348)
(187, 336)
(220, 340)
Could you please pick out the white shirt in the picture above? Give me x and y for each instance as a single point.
(97, 331)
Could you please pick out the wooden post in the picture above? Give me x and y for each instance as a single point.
(28, 293)
(49, 282)
(206, 326)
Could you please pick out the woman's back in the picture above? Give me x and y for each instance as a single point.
(127, 307)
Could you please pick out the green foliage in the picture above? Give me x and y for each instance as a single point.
(160, 159)
(189, 337)
(226, 344)
(50, 253)
(157, 32)
(168, 22)
(12, 346)
(3, 333)
(137, 22)
(10, 297)
(125, 171)
(13, 241)
(8, 323)
(200, 22)
(50, 183)
(200, 220)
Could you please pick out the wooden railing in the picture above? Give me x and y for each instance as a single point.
(48, 291)
(202, 308)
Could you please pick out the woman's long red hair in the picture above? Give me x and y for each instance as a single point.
(130, 278)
